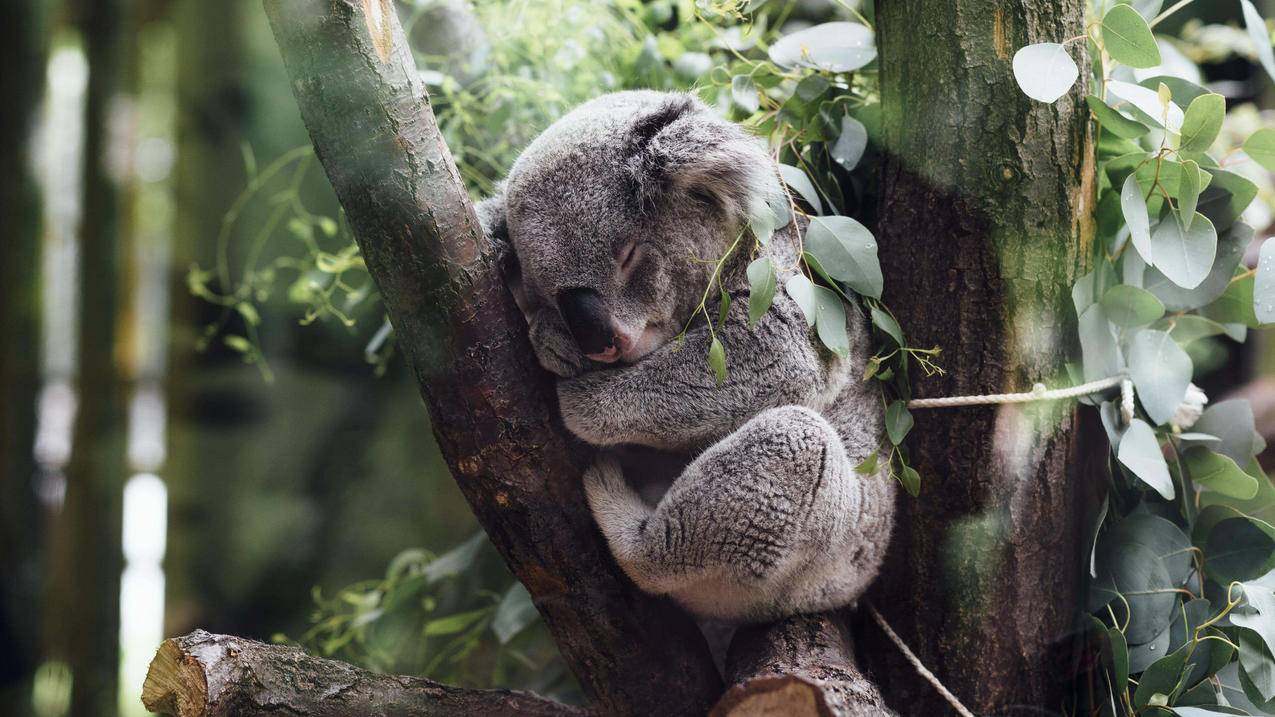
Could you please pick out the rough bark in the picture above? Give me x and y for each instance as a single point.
(801, 666)
(369, 117)
(86, 551)
(206, 675)
(22, 61)
(985, 213)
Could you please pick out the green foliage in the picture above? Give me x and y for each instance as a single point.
(1183, 593)
(428, 617)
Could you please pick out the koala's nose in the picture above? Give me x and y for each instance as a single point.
(588, 319)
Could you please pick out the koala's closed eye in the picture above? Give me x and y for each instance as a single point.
(630, 256)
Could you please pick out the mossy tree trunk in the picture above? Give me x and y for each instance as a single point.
(985, 222)
(22, 60)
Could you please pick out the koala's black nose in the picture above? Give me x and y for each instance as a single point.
(588, 319)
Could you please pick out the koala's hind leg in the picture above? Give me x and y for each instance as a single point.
(769, 521)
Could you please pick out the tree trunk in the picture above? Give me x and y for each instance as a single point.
(368, 114)
(204, 675)
(986, 209)
(22, 62)
(87, 556)
(801, 666)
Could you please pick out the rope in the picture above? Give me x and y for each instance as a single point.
(1038, 393)
(915, 661)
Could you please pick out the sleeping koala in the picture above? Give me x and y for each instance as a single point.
(609, 213)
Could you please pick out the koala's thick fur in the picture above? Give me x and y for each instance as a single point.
(611, 212)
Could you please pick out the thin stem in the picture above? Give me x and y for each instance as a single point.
(1177, 6)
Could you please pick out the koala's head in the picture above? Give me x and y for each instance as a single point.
(609, 209)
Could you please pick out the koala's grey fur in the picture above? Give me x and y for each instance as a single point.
(769, 519)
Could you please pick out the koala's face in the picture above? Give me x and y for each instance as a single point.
(610, 212)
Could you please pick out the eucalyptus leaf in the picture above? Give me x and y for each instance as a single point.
(1226, 198)
(1139, 451)
(1130, 306)
(850, 144)
(761, 288)
(1134, 207)
(1161, 371)
(744, 91)
(1202, 122)
(1260, 147)
(1100, 354)
(1134, 573)
(1260, 36)
(898, 421)
(514, 613)
(1045, 71)
(887, 324)
(801, 184)
(1114, 122)
(1184, 254)
(830, 323)
(847, 251)
(1161, 678)
(831, 46)
(911, 481)
(1230, 250)
(1233, 423)
(802, 291)
(1147, 105)
(717, 360)
(1219, 473)
(1128, 39)
(1264, 284)
(1189, 195)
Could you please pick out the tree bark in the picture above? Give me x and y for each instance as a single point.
(206, 675)
(369, 117)
(801, 666)
(23, 40)
(986, 212)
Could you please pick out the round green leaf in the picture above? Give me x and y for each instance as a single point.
(830, 321)
(1260, 146)
(761, 287)
(1184, 254)
(1139, 451)
(1134, 207)
(1161, 371)
(898, 421)
(847, 251)
(1045, 71)
(1146, 104)
(1264, 284)
(832, 46)
(850, 144)
(1219, 473)
(802, 291)
(1114, 122)
(1128, 39)
(801, 184)
(1202, 122)
(1130, 306)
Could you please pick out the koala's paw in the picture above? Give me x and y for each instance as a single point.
(614, 504)
(554, 349)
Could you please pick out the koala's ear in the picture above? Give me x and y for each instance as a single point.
(681, 149)
(491, 214)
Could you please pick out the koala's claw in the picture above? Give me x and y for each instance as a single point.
(555, 351)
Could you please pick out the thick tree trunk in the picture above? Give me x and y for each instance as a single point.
(87, 558)
(22, 61)
(986, 214)
(368, 114)
(801, 666)
(205, 675)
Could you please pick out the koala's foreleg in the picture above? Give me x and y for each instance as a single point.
(770, 521)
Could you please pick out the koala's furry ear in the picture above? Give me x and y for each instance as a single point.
(682, 149)
(491, 215)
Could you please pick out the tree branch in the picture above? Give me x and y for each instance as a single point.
(369, 116)
(801, 666)
(206, 675)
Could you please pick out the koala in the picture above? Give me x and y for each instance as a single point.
(614, 215)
